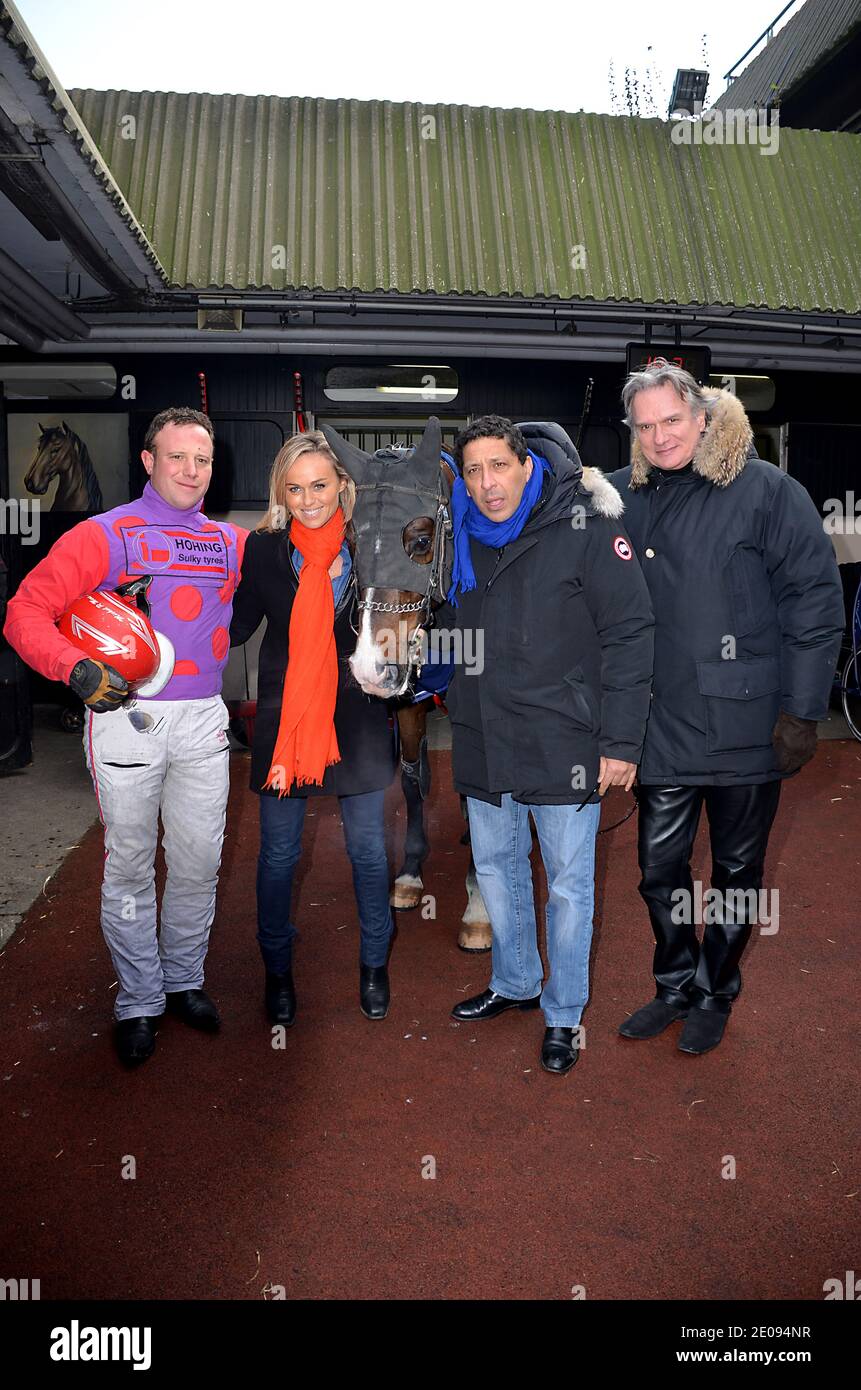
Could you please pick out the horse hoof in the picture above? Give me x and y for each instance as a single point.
(475, 936)
(406, 893)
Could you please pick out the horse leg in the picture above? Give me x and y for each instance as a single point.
(415, 780)
(475, 932)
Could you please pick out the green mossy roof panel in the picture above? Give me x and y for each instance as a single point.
(277, 193)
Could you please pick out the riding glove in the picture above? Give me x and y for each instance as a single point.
(100, 687)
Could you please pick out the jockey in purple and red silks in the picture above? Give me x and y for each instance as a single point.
(178, 765)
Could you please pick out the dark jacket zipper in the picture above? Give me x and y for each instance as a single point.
(499, 554)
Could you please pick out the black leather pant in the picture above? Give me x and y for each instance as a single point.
(740, 819)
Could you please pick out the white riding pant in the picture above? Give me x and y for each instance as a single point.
(180, 768)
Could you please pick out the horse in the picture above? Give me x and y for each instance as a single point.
(401, 521)
(62, 454)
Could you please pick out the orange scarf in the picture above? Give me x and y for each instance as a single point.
(306, 744)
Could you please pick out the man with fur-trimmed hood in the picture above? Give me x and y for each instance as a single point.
(749, 618)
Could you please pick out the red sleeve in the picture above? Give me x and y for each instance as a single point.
(76, 565)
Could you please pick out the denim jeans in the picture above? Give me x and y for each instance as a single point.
(501, 842)
(281, 822)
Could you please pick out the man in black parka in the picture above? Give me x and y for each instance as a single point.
(545, 574)
(748, 623)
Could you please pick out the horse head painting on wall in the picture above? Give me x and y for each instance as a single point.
(62, 454)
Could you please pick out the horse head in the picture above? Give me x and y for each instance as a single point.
(62, 454)
(401, 521)
(54, 450)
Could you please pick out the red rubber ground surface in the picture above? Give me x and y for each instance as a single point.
(302, 1167)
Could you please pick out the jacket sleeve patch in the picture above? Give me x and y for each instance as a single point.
(622, 548)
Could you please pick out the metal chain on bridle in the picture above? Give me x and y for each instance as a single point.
(441, 531)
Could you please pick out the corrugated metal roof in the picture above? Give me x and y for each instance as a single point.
(802, 44)
(299, 193)
(20, 41)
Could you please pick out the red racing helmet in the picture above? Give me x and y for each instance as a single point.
(110, 628)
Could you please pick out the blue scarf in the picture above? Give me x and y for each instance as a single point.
(469, 522)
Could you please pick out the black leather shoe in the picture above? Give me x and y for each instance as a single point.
(652, 1019)
(703, 1030)
(194, 1007)
(280, 997)
(489, 1004)
(135, 1039)
(560, 1049)
(374, 990)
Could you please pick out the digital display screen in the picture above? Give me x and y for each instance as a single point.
(696, 360)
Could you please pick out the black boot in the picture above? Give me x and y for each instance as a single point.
(374, 990)
(703, 1030)
(135, 1039)
(653, 1019)
(280, 998)
(194, 1008)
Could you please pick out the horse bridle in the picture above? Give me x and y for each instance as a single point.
(442, 530)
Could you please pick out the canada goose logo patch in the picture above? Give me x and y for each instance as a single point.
(622, 548)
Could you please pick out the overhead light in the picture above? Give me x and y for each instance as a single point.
(414, 390)
(689, 92)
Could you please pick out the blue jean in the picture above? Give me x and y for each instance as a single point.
(501, 842)
(281, 822)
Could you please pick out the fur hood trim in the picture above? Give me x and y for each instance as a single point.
(606, 499)
(723, 449)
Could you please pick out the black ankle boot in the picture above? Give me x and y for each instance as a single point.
(135, 1039)
(280, 998)
(374, 990)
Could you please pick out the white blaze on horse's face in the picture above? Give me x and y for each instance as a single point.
(375, 664)
(180, 467)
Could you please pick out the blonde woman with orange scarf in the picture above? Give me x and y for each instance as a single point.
(316, 733)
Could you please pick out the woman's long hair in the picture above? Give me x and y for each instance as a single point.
(278, 516)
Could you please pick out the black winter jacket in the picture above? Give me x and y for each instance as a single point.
(367, 738)
(567, 630)
(748, 606)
